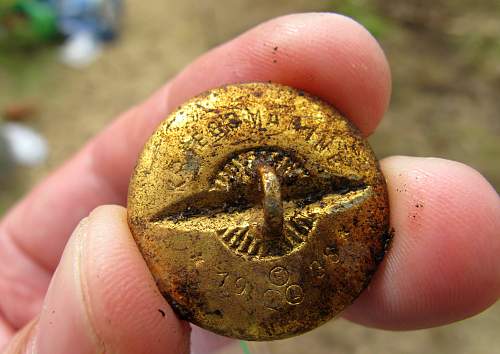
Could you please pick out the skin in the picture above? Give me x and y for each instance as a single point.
(443, 265)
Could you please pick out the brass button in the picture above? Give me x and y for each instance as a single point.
(260, 211)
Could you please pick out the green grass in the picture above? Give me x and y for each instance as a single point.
(365, 13)
(244, 347)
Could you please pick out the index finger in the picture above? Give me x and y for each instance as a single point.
(325, 54)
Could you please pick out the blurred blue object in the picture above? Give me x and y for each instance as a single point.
(101, 18)
(86, 24)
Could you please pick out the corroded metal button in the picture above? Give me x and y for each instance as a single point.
(260, 211)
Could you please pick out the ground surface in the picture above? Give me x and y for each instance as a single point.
(445, 103)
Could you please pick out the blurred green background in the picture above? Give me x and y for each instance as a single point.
(445, 59)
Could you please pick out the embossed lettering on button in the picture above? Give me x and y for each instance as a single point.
(260, 211)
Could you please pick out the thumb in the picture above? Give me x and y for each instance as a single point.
(102, 298)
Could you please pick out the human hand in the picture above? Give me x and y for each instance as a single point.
(443, 264)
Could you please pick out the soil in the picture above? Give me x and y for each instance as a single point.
(446, 83)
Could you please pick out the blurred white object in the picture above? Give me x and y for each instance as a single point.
(25, 145)
(80, 49)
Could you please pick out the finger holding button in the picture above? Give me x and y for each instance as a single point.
(101, 297)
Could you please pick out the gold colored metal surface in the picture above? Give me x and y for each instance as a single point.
(260, 211)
